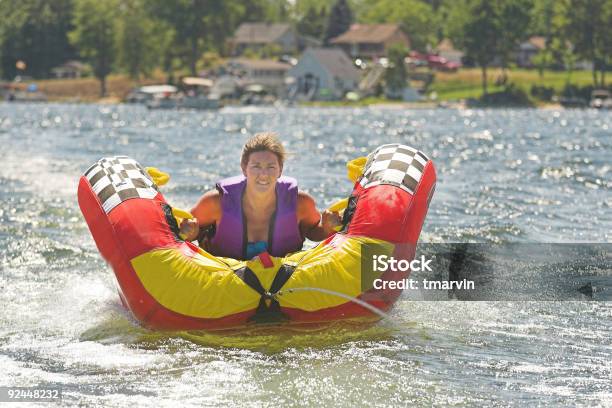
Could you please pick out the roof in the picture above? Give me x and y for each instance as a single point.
(367, 33)
(336, 62)
(538, 42)
(261, 64)
(535, 43)
(446, 45)
(197, 81)
(158, 89)
(257, 33)
(74, 65)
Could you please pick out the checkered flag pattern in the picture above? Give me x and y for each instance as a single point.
(119, 178)
(394, 164)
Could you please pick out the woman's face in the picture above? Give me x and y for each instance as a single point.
(262, 171)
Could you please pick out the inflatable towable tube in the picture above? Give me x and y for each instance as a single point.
(170, 284)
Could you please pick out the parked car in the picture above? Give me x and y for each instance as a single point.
(432, 61)
(442, 64)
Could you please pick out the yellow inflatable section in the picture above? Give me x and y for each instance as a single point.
(202, 285)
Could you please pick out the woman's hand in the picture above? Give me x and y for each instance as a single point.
(189, 229)
(315, 225)
(330, 220)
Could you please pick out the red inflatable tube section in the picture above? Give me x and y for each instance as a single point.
(142, 226)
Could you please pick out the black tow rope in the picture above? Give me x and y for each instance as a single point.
(268, 310)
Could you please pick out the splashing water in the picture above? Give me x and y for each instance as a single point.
(515, 175)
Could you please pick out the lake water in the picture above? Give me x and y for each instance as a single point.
(519, 175)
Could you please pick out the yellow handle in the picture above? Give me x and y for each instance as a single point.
(338, 206)
(355, 168)
(354, 171)
(179, 216)
(159, 177)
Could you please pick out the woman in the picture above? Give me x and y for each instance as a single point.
(259, 211)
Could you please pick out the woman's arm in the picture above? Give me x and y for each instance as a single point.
(206, 212)
(314, 225)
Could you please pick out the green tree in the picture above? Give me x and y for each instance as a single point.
(474, 28)
(299, 8)
(339, 21)
(186, 17)
(541, 16)
(271, 11)
(560, 47)
(416, 18)
(312, 23)
(435, 4)
(542, 12)
(587, 23)
(542, 60)
(396, 75)
(35, 31)
(94, 35)
(606, 43)
(224, 18)
(139, 39)
(204, 25)
(514, 18)
(14, 16)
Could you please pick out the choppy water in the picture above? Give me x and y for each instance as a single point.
(504, 176)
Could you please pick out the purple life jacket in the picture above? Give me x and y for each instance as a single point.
(230, 239)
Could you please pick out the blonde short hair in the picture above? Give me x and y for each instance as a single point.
(263, 142)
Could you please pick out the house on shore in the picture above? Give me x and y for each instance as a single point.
(69, 69)
(269, 74)
(527, 50)
(256, 36)
(323, 74)
(446, 49)
(370, 40)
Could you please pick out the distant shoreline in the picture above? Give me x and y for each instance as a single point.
(460, 89)
(378, 105)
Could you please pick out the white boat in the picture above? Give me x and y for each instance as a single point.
(195, 95)
(144, 94)
(600, 99)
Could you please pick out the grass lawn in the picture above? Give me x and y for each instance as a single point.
(466, 83)
(370, 100)
(88, 89)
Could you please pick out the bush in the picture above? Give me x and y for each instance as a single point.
(209, 60)
(575, 91)
(544, 93)
(510, 96)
